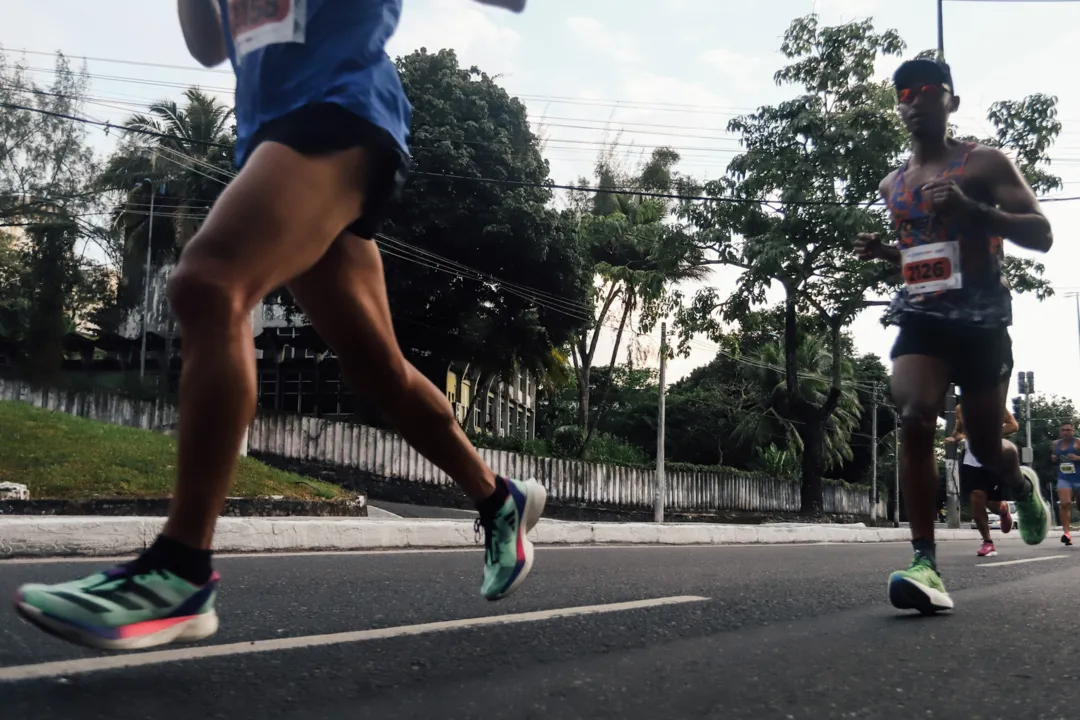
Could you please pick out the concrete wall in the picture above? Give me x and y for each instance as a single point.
(384, 454)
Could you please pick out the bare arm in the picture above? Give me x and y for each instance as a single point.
(203, 31)
(1053, 454)
(958, 429)
(889, 253)
(1010, 425)
(1017, 216)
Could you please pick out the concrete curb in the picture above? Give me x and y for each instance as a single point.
(105, 536)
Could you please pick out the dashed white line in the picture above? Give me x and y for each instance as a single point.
(1021, 562)
(66, 668)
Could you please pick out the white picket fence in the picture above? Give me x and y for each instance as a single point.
(386, 454)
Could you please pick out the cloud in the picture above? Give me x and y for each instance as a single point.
(599, 38)
(471, 30)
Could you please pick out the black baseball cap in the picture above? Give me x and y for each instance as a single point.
(924, 69)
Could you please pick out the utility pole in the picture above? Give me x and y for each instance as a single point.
(1076, 295)
(896, 458)
(952, 491)
(1025, 383)
(146, 283)
(940, 30)
(661, 484)
(873, 450)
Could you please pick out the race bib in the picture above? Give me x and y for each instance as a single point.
(1068, 468)
(258, 23)
(931, 268)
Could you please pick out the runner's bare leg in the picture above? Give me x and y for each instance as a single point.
(344, 297)
(272, 223)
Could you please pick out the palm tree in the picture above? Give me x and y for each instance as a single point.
(767, 421)
(638, 256)
(186, 151)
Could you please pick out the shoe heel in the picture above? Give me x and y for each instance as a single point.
(535, 501)
(199, 627)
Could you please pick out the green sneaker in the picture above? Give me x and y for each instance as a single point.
(122, 609)
(919, 588)
(1034, 513)
(508, 553)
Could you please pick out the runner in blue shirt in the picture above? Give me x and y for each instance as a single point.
(1065, 453)
(322, 122)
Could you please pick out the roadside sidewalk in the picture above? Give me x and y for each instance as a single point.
(23, 536)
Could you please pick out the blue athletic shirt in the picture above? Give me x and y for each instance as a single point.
(291, 53)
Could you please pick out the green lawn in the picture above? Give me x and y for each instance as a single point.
(61, 456)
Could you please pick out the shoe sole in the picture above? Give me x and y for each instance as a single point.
(535, 500)
(1031, 477)
(195, 628)
(989, 554)
(907, 594)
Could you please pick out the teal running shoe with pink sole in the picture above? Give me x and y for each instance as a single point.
(508, 552)
(122, 609)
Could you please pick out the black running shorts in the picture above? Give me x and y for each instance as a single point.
(324, 128)
(979, 478)
(980, 358)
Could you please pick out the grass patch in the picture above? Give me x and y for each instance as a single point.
(61, 456)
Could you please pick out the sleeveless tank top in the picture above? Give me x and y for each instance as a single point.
(1066, 468)
(291, 53)
(939, 280)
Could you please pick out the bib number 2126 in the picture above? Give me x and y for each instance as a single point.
(932, 268)
(256, 24)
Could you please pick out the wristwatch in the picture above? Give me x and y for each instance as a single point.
(982, 212)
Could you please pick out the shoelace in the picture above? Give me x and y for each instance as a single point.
(487, 525)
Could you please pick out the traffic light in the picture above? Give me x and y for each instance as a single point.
(1030, 384)
(1017, 403)
(1021, 383)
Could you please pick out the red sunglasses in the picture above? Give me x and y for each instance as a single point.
(934, 90)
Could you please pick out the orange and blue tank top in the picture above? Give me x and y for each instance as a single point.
(939, 279)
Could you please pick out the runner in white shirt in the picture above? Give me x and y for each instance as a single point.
(983, 487)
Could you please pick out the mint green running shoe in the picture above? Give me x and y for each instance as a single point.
(122, 609)
(1034, 513)
(919, 588)
(508, 552)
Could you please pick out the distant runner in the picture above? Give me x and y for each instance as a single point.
(1065, 453)
(984, 488)
(952, 203)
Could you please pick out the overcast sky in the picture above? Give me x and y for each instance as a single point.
(670, 73)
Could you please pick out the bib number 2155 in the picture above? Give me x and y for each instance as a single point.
(932, 268)
(256, 24)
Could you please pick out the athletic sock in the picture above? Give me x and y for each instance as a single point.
(489, 506)
(928, 549)
(181, 560)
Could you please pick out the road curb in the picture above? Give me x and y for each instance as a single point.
(98, 536)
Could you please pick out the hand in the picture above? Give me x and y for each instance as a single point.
(950, 441)
(945, 197)
(1072, 457)
(512, 5)
(868, 246)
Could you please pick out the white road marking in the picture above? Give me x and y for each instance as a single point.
(66, 668)
(1021, 562)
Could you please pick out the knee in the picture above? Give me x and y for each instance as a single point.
(918, 423)
(201, 294)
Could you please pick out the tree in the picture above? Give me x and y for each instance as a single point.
(478, 197)
(186, 153)
(46, 163)
(1048, 412)
(791, 204)
(638, 256)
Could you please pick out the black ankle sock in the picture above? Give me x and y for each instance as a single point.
(179, 559)
(491, 505)
(927, 548)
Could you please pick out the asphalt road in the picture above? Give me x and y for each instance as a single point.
(746, 632)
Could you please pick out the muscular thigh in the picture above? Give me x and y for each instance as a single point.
(277, 218)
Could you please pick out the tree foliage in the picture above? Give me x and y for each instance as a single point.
(477, 197)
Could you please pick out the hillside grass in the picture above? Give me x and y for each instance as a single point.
(61, 456)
